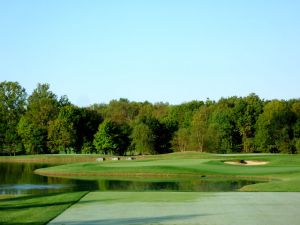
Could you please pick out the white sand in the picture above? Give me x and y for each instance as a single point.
(247, 163)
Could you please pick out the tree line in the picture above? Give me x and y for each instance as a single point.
(44, 123)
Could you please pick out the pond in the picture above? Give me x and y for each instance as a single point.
(19, 178)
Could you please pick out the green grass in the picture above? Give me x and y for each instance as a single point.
(36, 210)
(6, 196)
(282, 172)
(54, 159)
(184, 208)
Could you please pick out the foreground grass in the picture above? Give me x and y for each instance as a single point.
(36, 210)
(282, 171)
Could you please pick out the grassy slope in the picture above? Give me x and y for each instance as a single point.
(283, 171)
(36, 210)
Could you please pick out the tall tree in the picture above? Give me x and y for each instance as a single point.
(223, 135)
(246, 112)
(296, 126)
(12, 106)
(181, 140)
(199, 128)
(121, 111)
(43, 107)
(162, 133)
(143, 139)
(183, 113)
(274, 133)
(111, 138)
(61, 135)
(86, 124)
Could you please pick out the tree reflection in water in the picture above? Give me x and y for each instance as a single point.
(18, 178)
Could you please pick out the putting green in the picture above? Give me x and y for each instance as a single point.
(233, 208)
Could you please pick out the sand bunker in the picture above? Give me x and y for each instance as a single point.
(247, 162)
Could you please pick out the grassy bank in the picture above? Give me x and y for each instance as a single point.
(62, 158)
(36, 210)
(49, 159)
(282, 171)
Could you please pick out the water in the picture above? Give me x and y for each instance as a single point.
(19, 178)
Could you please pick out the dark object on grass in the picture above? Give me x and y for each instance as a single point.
(242, 161)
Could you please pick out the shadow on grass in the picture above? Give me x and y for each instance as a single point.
(26, 206)
(23, 223)
(132, 221)
(39, 208)
(28, 197)
(36, 205)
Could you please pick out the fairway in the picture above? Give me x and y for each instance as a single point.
(129, 208)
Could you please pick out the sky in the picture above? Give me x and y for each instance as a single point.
(157, 50)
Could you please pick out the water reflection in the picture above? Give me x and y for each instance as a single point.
(18, 178)
(187, 185)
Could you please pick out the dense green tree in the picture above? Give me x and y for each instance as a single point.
(86, 125)
(162, 133)
(33, 137)
(43, 107)
(296, 126)
(199, 128)
(246, 112)
(160, 110)
(104, 139)
(64, 131)
(183, 113)
(111, 138)
(181, 140)
(142, 139)
(61, 135)
(44, 124)
(222, 132)
(295, 108)
(274, 133)
(12, 106)
(297, 145)
(87, 148)
(83, 124)
(120, 111)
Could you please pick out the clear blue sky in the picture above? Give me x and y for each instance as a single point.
(156, 50)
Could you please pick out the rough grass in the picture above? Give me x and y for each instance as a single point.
(7, 196)
(36, 210)
(49, 159)
(282, 171)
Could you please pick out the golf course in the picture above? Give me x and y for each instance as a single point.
(149, 112)
(239, 189)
